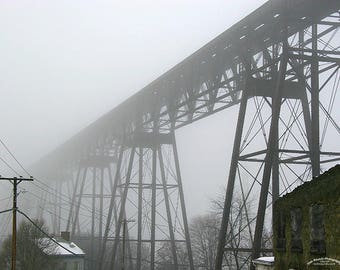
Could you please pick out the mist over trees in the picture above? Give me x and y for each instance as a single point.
(205, 233)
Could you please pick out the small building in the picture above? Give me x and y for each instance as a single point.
(264, 263)
(67, 255)
(307, 225)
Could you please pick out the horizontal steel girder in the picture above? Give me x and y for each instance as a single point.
(206, 82)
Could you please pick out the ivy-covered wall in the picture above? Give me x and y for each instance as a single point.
(323, 190)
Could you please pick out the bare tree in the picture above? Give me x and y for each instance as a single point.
(239, 234)
(30, 243)
(204, 234)
(165, 259)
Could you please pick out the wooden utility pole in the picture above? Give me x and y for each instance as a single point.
(15, 182)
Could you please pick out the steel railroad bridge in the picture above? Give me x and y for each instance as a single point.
(280, 66)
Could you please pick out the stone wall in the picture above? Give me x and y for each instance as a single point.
(325, 191)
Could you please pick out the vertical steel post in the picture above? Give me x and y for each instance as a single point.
(122, 206)
(111, 208)
(275, 172)
(304, 99)
(140, 209)
(93, 216)
(101, 203)
(167, 206)
(272, 141)
(315, 155)
(275, 164)
(75, 188)
(75, 221)
(153, 206)
(231, 181)
(307, 119)
(123, 251)
(181, 196)
(59, 207)
(54, 204)
(14, 225)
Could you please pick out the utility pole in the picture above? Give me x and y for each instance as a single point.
(15, 182)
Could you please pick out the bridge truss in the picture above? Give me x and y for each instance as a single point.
(281, 66)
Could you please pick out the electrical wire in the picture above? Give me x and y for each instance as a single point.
(9, 151)
(20, 164)
(51, 238)
(9, 166)
(5, 211)
(46, 234)
(53, 191)
(6, 223)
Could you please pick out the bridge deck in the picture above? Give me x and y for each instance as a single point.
(208, 81)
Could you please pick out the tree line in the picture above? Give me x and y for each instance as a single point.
(204, 234)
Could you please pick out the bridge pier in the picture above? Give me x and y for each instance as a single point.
(92, 188)
(277, 143)
(287, 132)
(150, 184)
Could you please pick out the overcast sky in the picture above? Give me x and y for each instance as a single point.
(65, 63)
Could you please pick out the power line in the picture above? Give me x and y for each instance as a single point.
(6, 223)
(60, 195)
(53, 191)
(46, 234)
(63, 208)
(20, 164)
(9, 151)
(5, 211)
(51, 238)
(9, 166)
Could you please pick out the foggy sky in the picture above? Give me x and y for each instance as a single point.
(63, 64)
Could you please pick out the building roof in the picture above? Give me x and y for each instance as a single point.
(264, 261)
(328, 183)
(59, 247)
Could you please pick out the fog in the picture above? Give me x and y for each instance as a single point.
(66, 63)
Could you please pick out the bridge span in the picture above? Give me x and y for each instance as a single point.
(280, 66)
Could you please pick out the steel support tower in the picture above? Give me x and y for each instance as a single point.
(280, 65)
(92, 190)
(281, 135)
(148, 190)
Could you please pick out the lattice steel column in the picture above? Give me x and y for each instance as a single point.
(152, 200)
(285, 117)
(91, 192)
(54, 206)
